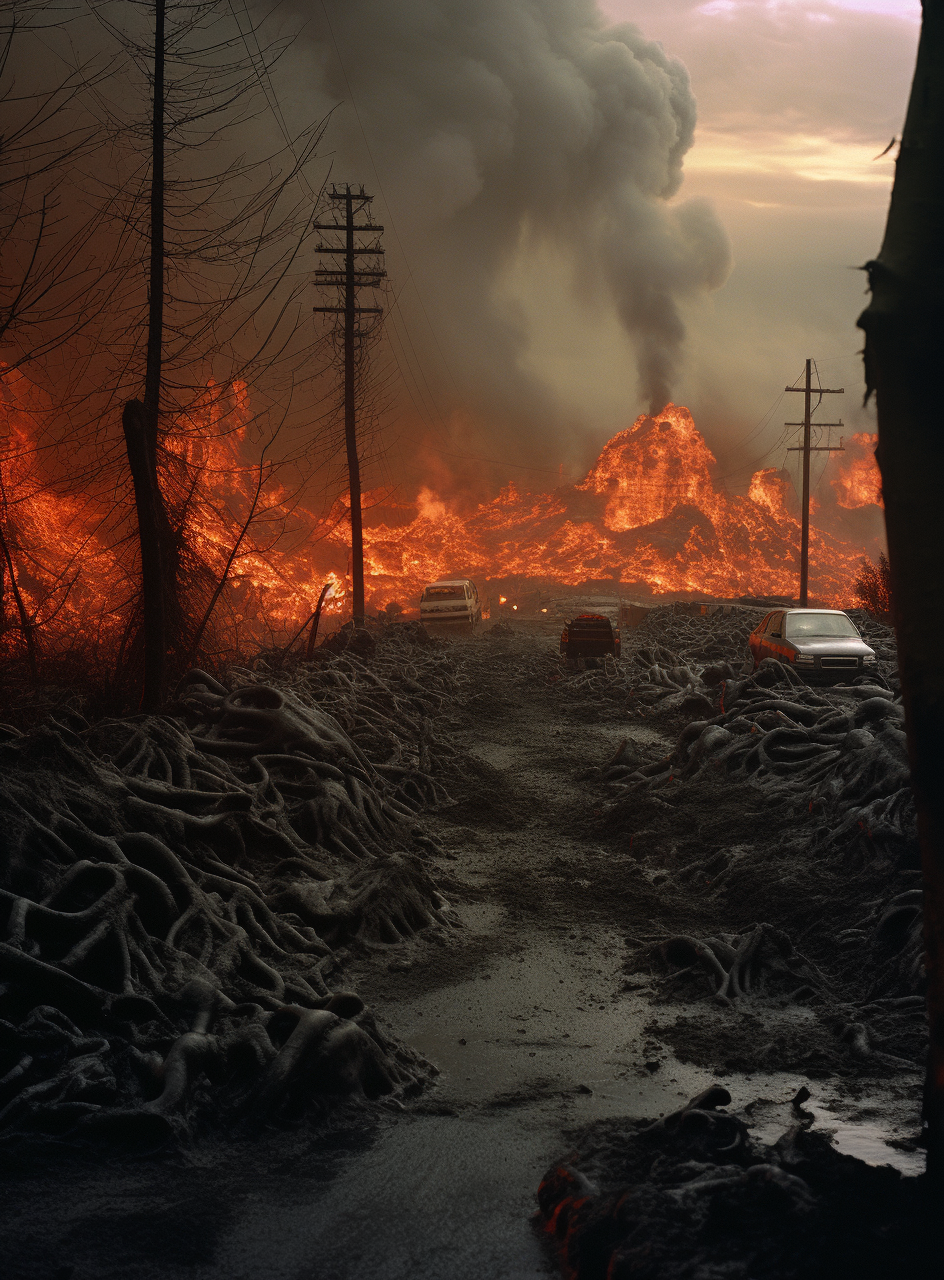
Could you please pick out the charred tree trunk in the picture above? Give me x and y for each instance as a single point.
(141, 421)
(149, 504)
(26, 622)
(904, 328)
(155, 331)
(316, 619)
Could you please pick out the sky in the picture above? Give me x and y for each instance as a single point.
(594, 205)
(794, 102)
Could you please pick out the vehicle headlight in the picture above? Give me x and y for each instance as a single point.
(804, 660)
(869, 657)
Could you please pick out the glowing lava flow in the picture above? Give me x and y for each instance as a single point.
(648, 516)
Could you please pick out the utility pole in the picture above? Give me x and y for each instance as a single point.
(347, 278)
(140, 421)
(806, 448)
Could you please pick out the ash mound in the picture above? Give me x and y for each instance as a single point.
(696, 1196)
(778, 830)
(177, 890)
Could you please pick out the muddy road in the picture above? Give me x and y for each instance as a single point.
(529, 1010)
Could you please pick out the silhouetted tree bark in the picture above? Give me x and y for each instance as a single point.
(315, 620)
(151, 518)
(904, 328)
(159, 581)
(222, 279)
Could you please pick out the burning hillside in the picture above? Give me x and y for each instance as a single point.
(649, 516)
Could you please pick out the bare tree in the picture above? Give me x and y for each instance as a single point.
(50, 287)
(214, 275)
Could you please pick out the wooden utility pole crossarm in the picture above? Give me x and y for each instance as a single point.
(806, 448)
(347, 278)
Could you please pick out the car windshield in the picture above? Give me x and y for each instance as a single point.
(819, 624)
(444, 593)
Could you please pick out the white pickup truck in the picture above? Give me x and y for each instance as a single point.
(451, 600)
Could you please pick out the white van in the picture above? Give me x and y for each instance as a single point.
(451, 600)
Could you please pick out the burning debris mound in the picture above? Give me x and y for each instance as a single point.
(697, 1196)
(780, 812)
(649, 513)
(177, 888)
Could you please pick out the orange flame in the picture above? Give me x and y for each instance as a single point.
(647, 515)
(858, 482)
(649, 470)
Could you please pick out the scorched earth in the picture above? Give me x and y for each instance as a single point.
(581, 901)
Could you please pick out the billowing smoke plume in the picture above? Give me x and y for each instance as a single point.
(505, 134)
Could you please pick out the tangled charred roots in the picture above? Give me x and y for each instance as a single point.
(758, 960)
(172, 895)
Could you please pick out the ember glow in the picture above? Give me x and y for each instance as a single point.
(69, 570)
(649, 516)
(859, 483)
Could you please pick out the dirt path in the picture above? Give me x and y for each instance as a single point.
(525, 1010)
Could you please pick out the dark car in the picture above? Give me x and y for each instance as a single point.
(819, 643)
(589, 635)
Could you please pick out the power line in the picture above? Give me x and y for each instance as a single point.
(348, 280)
(807, 448)
(421, 374)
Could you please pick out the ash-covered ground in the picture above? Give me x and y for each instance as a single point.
(640, 880)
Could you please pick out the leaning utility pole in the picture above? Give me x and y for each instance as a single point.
(347, 278)
(806, 448)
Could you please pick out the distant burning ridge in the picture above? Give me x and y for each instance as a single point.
(650, 515)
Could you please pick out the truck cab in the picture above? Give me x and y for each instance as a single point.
(451, 601)
(589, 635)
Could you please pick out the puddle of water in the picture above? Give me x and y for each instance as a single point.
(867, 1142)
(553, 1021)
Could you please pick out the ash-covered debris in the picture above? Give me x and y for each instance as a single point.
(662, 662)
(696, 1196)
(176, 889)
(778, 823)
(387, 703)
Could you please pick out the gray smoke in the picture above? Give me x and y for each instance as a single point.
(510, 132)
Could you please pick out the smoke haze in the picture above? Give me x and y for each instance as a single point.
(796, 101)
(527, 160)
